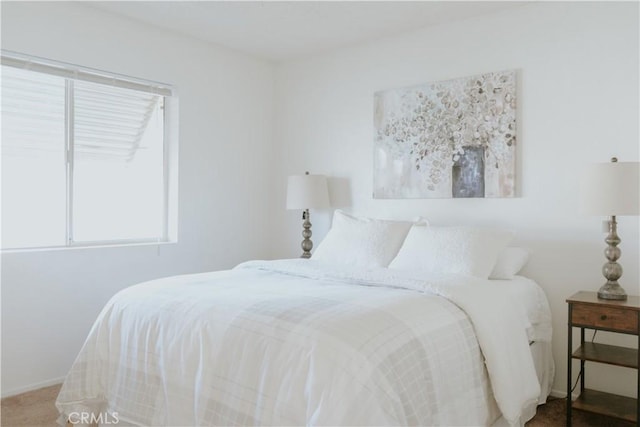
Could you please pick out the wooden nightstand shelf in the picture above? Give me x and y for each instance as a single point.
(586, 311)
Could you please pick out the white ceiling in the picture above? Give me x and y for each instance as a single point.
(287, 29)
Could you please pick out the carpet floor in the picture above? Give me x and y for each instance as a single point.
(554, 413)
(36, 409)
(33, 409)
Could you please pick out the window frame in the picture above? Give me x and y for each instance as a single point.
(72, 73)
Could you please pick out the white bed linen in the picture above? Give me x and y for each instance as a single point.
(293, 342)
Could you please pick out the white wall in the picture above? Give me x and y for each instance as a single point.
(51, 298)
(578, 102)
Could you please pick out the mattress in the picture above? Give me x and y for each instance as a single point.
(300, 343)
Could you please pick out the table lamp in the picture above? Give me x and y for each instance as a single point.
(611, 189)
(307, 192)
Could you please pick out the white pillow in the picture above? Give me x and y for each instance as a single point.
(361, 242)
(510, 261)
(451, 250)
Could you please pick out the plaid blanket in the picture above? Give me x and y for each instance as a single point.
(283, 343)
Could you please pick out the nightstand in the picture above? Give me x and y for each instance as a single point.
(587, 311)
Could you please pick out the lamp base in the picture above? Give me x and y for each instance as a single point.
(611, 270)
(612, 291)
(306, 244)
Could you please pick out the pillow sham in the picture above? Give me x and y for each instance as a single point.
(451, 250)
(361, 242)
(510, 261)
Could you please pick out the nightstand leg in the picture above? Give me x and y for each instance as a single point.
(569, 347)
(582, 370)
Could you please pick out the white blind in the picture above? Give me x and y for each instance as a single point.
(108, 114)
(33, 113)
(76, 72)
(109, 122)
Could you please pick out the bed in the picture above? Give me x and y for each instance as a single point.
(312, 342)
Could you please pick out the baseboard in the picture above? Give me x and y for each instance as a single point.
(31, 387)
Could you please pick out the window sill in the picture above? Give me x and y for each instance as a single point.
(88, 246)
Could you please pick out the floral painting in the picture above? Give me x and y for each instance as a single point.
(453, 138)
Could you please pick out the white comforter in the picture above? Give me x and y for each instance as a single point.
(294, 342)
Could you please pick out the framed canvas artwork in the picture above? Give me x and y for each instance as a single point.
(452, 138)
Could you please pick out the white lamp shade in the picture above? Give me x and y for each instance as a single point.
(611, 189)
(307, 192)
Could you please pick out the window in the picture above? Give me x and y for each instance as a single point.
(88, 157)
